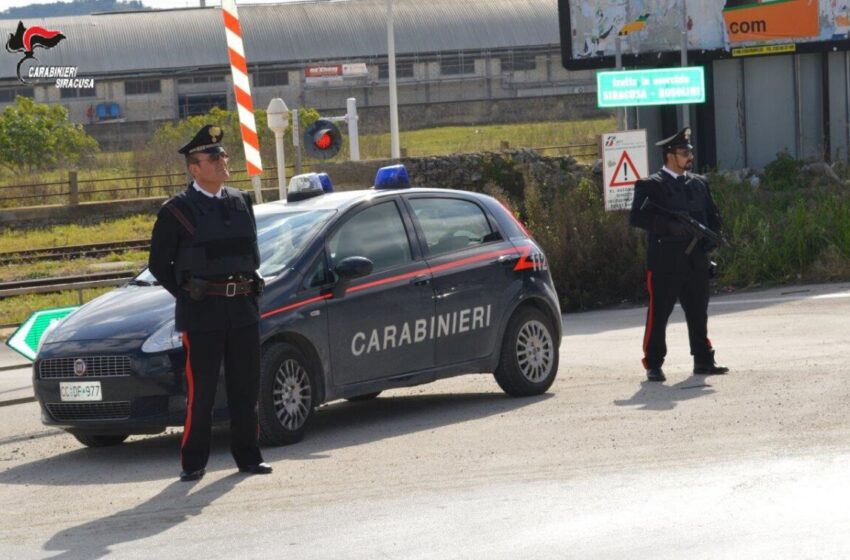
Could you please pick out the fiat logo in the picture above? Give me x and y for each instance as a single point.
(79, 366)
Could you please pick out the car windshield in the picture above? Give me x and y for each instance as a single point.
(281, 236)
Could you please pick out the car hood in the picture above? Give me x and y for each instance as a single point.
(125, 313)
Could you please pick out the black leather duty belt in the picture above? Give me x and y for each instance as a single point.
(230, 289)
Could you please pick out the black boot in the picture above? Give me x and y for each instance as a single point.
(655, 374)
(707, 366)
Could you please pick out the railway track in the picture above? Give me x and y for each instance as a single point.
(73, 251)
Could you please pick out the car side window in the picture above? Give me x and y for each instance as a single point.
(376, 233)
(450, 224)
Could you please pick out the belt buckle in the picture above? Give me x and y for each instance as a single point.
(230, 289)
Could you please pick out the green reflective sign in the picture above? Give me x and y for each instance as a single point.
(25, 340)
(661, 86)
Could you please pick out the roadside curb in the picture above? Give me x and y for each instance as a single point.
(15, 366)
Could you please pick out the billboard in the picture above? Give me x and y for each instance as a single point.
(650, 30)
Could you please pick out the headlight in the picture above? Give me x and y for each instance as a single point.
(165, 338)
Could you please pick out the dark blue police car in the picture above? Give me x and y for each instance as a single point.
(365, 291)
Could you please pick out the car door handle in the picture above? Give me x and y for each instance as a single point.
(421, 280)
(508, 259)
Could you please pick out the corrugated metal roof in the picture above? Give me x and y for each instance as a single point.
(322, 30)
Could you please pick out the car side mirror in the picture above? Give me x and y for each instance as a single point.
(347, 270)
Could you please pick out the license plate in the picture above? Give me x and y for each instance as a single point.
(82, 391)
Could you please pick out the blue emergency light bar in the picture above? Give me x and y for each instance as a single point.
(325, 180)
(392, 177)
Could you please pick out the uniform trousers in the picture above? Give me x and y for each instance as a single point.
(239, 349)
(691, 288)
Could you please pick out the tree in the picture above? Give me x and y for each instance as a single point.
(36, 136)
(170, 136)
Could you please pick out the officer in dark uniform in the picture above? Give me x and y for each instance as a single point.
(671, 273)
(204, 251)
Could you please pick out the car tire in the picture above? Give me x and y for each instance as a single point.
(287, 394)
(100, 440)
(528, 362)
(366, 397)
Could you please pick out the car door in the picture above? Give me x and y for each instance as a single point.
(470, 261)
(378, 328)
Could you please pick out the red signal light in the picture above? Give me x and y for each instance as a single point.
(323, 142)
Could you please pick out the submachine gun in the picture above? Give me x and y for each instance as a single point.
(694, 227)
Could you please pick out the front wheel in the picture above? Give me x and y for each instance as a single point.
(287, 393)
(99, 440)
(529, 359)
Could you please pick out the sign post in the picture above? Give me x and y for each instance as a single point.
(624, 161)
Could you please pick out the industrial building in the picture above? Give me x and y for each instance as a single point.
(457, 62)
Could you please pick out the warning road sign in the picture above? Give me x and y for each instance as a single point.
(625, 174)
(624, 161)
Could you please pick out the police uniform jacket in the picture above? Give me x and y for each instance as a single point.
(665, 247)
(209, 238)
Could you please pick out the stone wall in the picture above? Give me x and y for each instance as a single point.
(479, 172)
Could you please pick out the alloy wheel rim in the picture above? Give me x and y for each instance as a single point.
(534, 351)
(291, 395)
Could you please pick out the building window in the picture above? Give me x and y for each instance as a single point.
(138, 87)
(402, 70)
(9, 95)
(200, 104)
(518, 62)
(457, 64)
(72, 93)
(214, 79)
(265, 78)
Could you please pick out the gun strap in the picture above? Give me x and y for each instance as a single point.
(181, 218)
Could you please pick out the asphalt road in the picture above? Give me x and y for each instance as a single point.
(754, 464)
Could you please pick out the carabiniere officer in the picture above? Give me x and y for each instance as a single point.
(204, 252)
(672, 273)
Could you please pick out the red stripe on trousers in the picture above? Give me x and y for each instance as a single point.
(649, 315)
(190, 380)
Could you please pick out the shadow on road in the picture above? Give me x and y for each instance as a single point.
(660, 396)
(172, 506)
(340, 424)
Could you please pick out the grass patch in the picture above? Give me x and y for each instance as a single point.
(127, 260)
(16, 310)
(123, 229)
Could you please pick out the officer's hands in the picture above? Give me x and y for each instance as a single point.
(259, 284)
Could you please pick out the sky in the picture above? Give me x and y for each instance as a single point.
(160, 4)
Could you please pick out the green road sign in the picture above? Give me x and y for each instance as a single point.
(661, 86)
(26, 339)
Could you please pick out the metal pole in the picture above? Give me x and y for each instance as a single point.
(296, 139)
(395, 150)
(258, 188)
(686, 109)
(618, 58)
(353, 130)
(281, 165)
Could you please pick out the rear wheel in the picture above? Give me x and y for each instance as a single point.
(529, 359)
(366, 397)
(100, 440)
(287, 393)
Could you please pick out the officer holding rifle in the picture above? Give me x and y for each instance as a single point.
(683, 226)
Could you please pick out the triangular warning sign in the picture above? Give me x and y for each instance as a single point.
(625, 174)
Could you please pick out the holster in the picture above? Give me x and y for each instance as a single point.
(197, 288)
(259, 284)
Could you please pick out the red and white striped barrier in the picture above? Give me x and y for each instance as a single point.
(242, 87)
